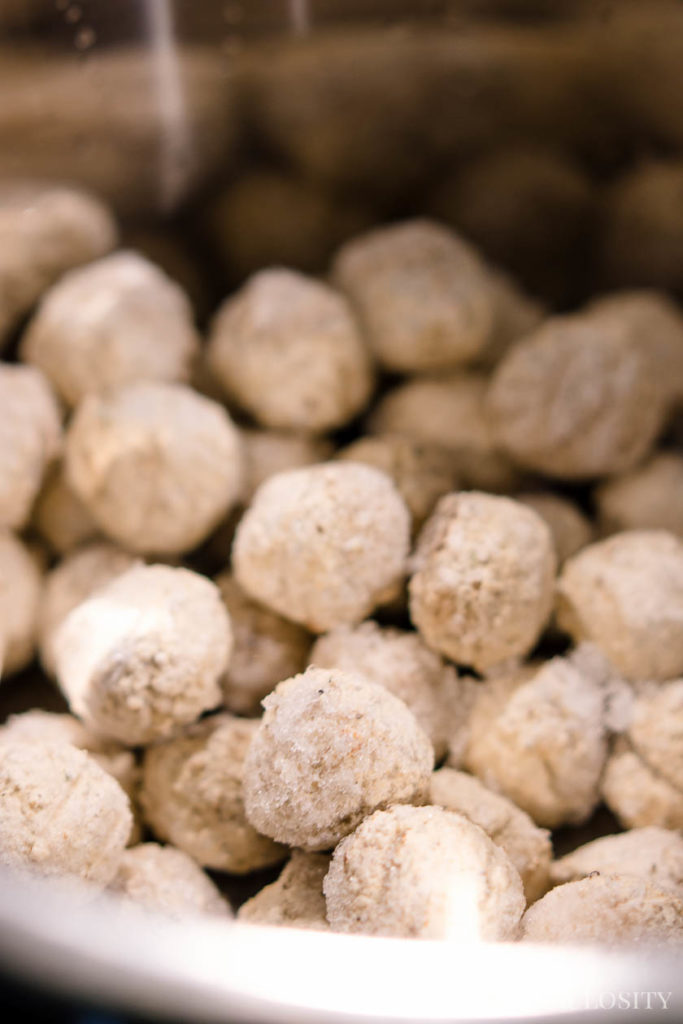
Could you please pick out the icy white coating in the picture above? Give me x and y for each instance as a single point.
(625, 595)
(168, 881)
(30, 438)
(422, 473)
(656, 323)
(323, 545)
(72, 580)
(287, 350)
(267, 452)
(421, 294)
(156, 465)
(330, 749)
(143, 656)
(528, 847)
(656, 730)
(607, 910)
(449, 411)
(192, 796)
(108, 324)
(45, 230)
(653, 854)
(266, 649)
(578, 398)
(483, 575)
(295, 899)
(60, 812)
(570, 528)
(59, 515)
(401, 662)
(636, 794)
(423, 872)
(20, 583)
(538, 736)
(650, 497)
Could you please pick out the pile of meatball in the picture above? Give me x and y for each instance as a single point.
(377, 586)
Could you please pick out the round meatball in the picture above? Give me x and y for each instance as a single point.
(421, 294)
(449, 412)
(578, 398)
(143, 656)
(323, 545)
(482, 587)
(636, 795)
(650, 497)
(422, 473)
(166, 880)
(192, 796)
(296, 899)
(45, 230)
(20, 583)
(266, 650)
(653, 854)
(538, 736)
(60, 812)
(286, 349)
(656, 730)
(625, 595)
(423, 872)
(528, 847)
(74, 579)
(330, 749)
(111, 323)
(30, 438)
(402, 663)
(609, 910)
(156, 465)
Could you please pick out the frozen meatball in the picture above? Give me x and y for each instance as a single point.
(449, 412)
(59, 515)
(423, 872)
(330, 749)
(111, 323)
(636, 794)
(296, 899)
(156, 465)
(323, 545)
(650, 497)
(653, 854)
(144, 655)
(48, 727)
(528, 847)
(30, 438)
(60, 812)
(570, 528)
(267, 649)
(402, 663)
(74, 579)
(625, 595)
(287, 350)
(20, 582)
(656, 323)
(609, 910)
(192, 796)
(538, 736)
(166, 880)
(45, 230)
(421, 294)
(267, 452)
(422, 473)
(482, 587)
(656, 730)
(578, 398)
